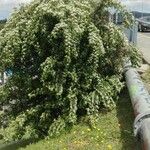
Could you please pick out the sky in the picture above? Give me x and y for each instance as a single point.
(138, 5)
(6, 6)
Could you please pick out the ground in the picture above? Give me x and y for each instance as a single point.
(143, 42)
(113, 132)
(146, 79)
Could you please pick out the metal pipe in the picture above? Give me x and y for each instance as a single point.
(140, 99)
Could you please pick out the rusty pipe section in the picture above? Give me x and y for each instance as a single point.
(140, 99)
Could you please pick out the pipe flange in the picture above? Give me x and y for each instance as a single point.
(139, 120)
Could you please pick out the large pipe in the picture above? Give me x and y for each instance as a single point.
(140, 99)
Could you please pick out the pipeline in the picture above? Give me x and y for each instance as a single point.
(140, 99)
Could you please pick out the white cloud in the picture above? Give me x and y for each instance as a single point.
(7, 6)
(130, 1)
(9, 2)
(137, 5)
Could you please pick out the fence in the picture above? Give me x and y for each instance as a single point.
(131, 33)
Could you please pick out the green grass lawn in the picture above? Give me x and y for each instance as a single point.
(1, 141)
(113, 132)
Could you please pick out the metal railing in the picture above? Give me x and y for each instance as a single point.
(131, 33)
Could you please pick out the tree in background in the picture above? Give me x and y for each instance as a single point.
(66, 58)
(2, 23)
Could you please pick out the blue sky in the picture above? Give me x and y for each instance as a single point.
(6, 6)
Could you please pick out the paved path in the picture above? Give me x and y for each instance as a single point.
(143, 42)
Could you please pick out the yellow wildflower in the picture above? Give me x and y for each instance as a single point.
(109, 147)
(88, 129)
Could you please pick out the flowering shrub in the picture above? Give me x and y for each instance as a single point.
(66, 58)
(2, 23)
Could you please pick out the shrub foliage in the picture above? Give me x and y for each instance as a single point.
(66, 58)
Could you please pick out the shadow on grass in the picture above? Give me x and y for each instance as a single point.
(18, 144)
(125, 116)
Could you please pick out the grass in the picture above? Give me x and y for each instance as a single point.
(113, 132)
(1, 142)
(146, 77)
